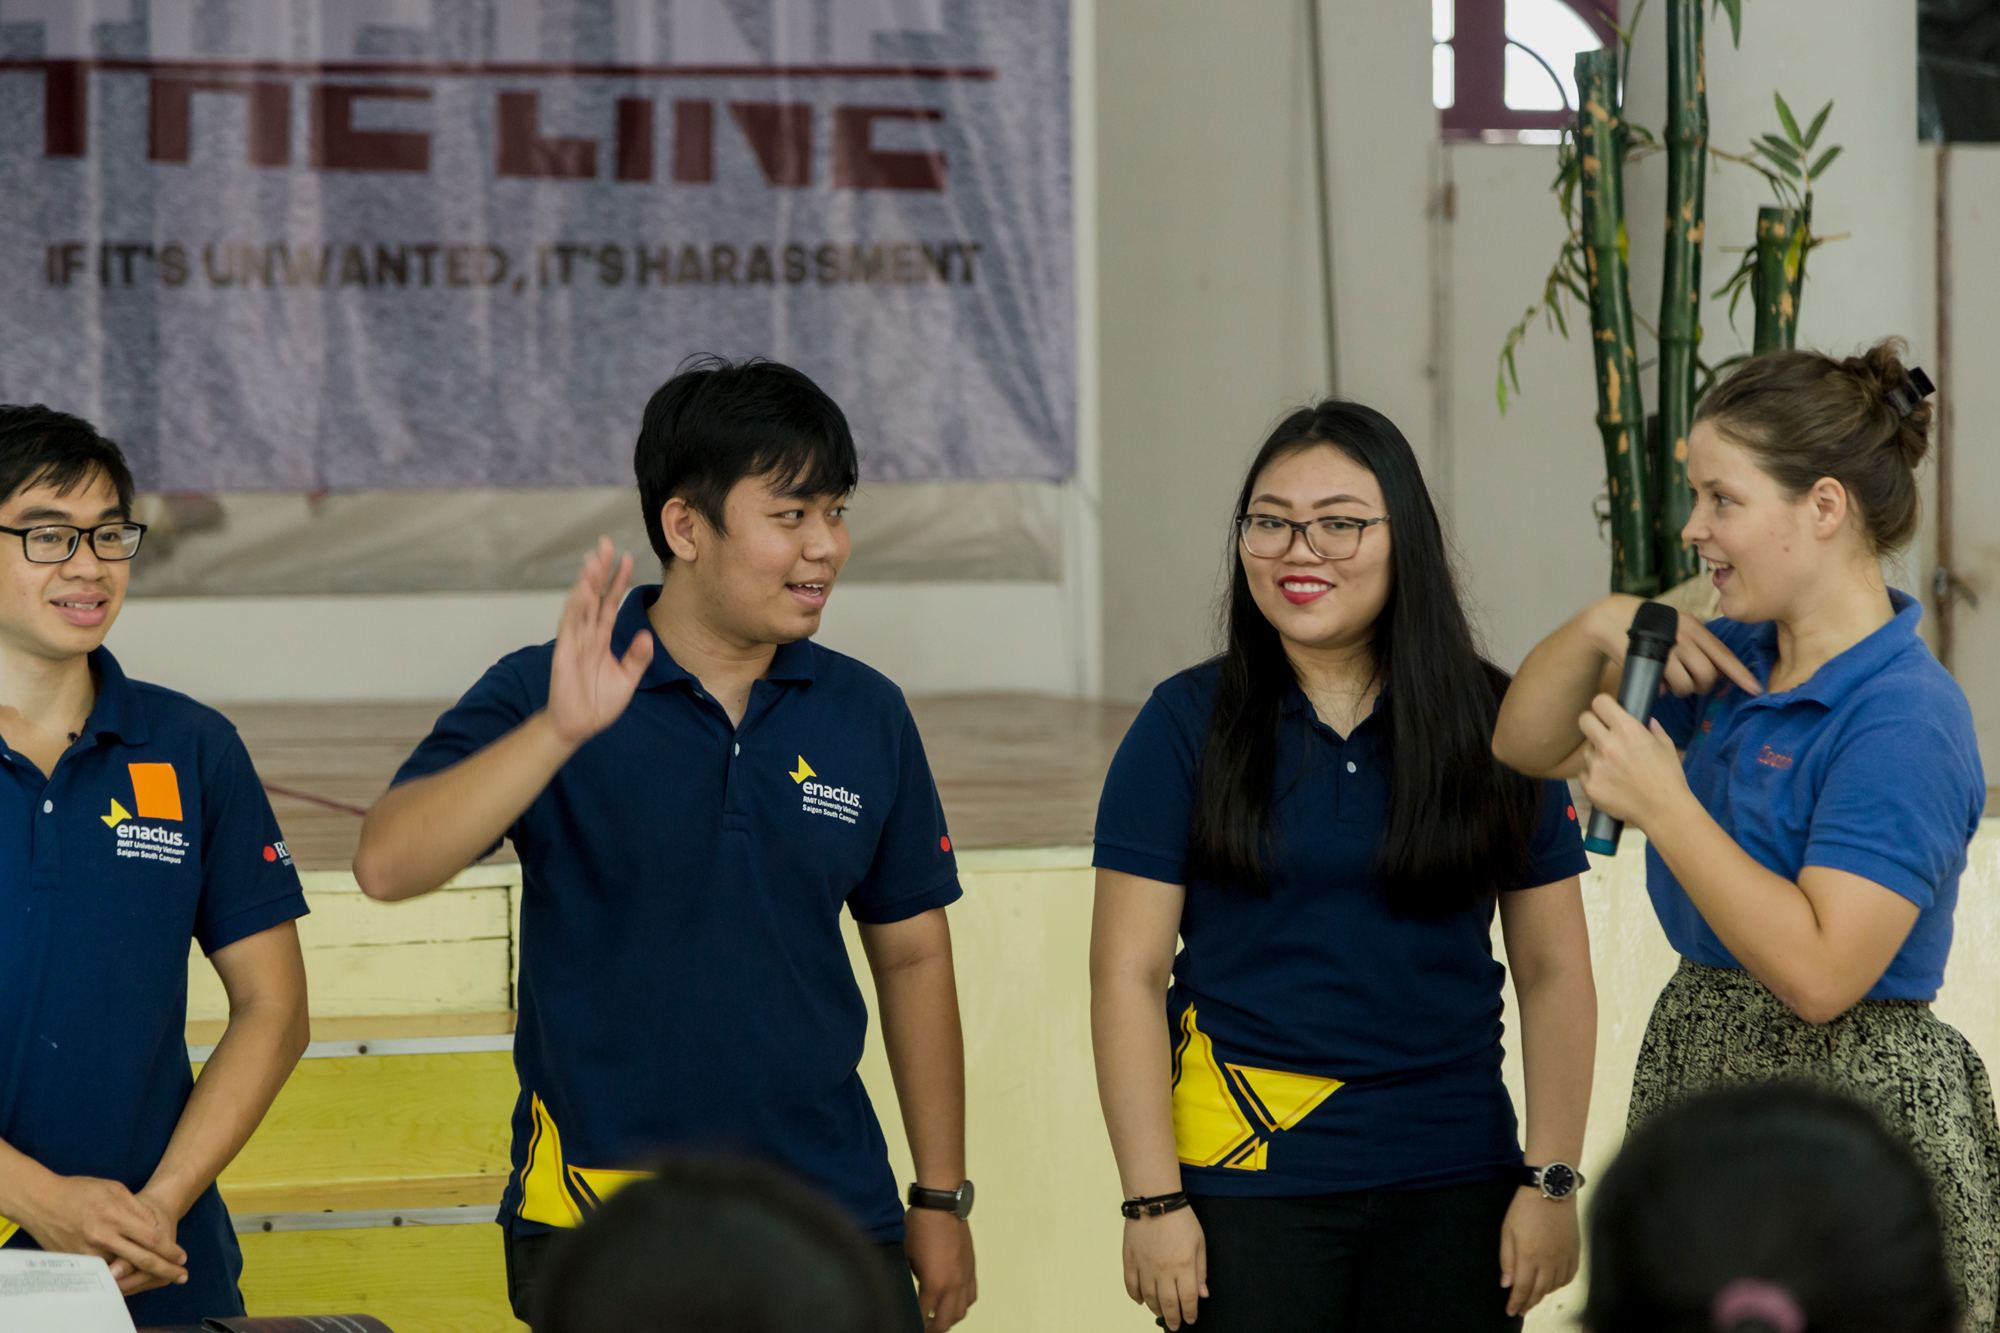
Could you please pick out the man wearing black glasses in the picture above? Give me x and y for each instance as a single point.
(131, 820)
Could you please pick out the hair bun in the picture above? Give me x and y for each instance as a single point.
(1902, 399)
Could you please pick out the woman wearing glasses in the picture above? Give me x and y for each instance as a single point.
(1306, 1102)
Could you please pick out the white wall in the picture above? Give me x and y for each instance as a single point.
(1211, 313)
(1973, 392)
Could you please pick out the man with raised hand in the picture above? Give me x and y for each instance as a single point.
(695, 790)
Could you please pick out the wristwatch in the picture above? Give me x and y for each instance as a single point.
(957, 1202)
(1557, 1180)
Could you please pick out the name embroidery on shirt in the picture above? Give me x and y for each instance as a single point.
(817, 798)
(1772, 759)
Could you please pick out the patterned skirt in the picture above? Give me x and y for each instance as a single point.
(1714, 1026)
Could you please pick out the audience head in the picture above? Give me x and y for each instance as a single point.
(714, 1246)
(1768, 1208)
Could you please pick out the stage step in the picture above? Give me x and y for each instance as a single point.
(373, 1182)
(421, 1276)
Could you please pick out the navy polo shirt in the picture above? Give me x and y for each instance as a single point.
(1870, 766)
(684, 982)
(1322, 1042)
(153, 830)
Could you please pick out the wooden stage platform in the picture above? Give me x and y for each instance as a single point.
(1014, 770)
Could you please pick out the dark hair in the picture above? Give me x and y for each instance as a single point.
(1798, 1189)
(717, 421)
(713, 1245)
(1459, 823)
(40, 446)
(1804, 415)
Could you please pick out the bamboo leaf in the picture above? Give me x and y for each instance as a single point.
(1733, 8)
(1790, 168)
(1781, 148)
(1819, 121)
(1785, 116)
(1825, 161)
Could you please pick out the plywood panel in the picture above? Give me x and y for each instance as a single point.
(449, 1279)
(448, 952)
(382, 1118)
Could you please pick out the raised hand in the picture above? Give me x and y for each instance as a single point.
(589, 686)
(1698, 661)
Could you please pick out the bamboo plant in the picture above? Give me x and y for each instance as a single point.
(1648, 497)
(1621, 417)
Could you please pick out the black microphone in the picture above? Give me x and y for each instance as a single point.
(1648, 644)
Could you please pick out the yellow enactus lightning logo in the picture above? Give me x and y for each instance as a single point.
(119, 815)
(1211, 1127)
(803, 771)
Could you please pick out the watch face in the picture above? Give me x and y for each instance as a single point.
(1558, 1181)
(964, 1208)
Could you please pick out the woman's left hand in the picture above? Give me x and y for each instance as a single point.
(1629, 770)
(1538, 1248)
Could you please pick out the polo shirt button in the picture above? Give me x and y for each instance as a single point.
(48, 807)
(1350, 766)
(736, 749)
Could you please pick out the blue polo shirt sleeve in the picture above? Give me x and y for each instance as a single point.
(1147, 807)
(248, 883)
(914, 869)
(496, 704)
(1892, 808)
(1555, 850)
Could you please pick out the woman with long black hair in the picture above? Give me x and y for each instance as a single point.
(1310, 1123)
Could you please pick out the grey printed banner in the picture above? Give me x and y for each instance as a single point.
(308, 245)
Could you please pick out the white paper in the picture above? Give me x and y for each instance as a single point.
(59, 1293)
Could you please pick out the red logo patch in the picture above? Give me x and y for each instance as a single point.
(1571, 812)
(1772, 758)
(270, 853)
(944, 844)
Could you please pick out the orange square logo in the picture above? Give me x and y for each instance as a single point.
(156, 792)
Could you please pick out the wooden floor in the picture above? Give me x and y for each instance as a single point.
(1014, 770)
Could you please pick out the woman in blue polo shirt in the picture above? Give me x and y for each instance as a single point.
(1312, 1131)
(1804, 858)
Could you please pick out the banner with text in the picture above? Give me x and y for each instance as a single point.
(358, 244)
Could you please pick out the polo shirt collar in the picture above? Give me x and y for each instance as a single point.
(792, 661)
(1837, 678)
(117, 711)
(1295, 703)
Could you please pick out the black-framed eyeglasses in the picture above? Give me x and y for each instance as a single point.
(53, 543)
(1335, 537)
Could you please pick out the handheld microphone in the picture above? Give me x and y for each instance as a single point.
(1648, 644)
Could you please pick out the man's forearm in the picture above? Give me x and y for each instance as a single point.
(21, 1178)
(236, 1088)
(926, 1049)
(422, 833)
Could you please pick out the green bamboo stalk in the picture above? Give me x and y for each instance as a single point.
(1680, 287)
(1780, 262)
(1795, 264)
(1621, 413)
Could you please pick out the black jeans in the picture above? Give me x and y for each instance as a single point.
(1384, 1261)
(528, 1254)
